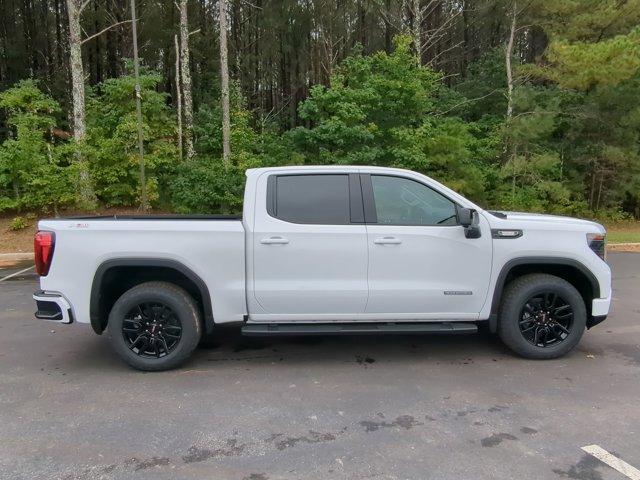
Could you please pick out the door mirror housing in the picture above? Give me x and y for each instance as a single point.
(465, 216)
(468, 218)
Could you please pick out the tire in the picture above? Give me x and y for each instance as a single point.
(534, 327)
(163, 321)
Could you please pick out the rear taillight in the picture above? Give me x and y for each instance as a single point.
(43, 244)
(597, 242)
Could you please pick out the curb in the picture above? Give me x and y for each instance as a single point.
(16, 256)
(8, 260)
(624, 247)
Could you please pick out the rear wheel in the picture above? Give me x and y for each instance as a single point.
(541, 316)
(154, 326)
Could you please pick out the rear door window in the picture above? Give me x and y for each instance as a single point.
(311, 199)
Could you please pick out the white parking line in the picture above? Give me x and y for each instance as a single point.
(16, 273)
(614, 462)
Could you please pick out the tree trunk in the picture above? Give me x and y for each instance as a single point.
(224, 86)
(178, 97)
(87, 196)
(144, 205)
(186, 79)
(416, 29)
(599, 191)
(507, 58)
(466, 39)
(387, 27)
(59, 61)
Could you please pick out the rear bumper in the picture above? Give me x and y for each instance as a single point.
(52, 306)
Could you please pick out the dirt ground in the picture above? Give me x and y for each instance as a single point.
(15, 242)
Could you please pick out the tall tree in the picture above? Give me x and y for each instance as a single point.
(185, 69)
(136, 69)
(508, 55)
(178, 96)
(224, 85)
(75, 8)
(416, 28)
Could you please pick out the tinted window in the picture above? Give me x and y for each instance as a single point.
(400, 201)
(319, 199)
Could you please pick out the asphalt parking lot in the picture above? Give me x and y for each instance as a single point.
(441, 407)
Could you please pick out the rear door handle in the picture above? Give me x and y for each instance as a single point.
(387, 241)
(274, 241)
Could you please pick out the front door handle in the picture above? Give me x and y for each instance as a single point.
(387, 241)
(274, 241)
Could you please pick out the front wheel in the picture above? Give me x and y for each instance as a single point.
(154, 326)
(541, 316)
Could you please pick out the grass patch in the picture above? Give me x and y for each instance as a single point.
(625, 233)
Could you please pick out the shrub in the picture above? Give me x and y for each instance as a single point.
(18, 223)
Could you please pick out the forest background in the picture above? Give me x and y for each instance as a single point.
(519, 105)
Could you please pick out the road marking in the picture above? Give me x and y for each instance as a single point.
(614, 462)
(16, 273)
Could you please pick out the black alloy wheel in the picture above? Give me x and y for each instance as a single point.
(155, 326)
(541, 316)
(546, 319)
(151, 329)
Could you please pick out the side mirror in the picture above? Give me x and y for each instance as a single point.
(468, 218)
(465, 216)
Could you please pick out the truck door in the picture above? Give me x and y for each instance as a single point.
(421, 265)
(309, 248)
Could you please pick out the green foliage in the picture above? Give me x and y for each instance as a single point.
(18, 223)
(583, 65)
(384, 109)
(484, 88)
(112, 139)
(34, 172)
(571, 145)
(203, 185)
(586, 20)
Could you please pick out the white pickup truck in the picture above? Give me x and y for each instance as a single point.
(326, 250)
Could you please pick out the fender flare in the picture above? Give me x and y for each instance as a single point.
(96, 286)
(515, 262)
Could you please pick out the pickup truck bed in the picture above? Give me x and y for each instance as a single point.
(97, 258)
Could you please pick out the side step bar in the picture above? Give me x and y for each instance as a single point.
(259, 330)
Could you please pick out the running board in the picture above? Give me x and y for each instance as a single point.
(259, 330)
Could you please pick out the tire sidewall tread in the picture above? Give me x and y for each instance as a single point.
(517, 293)
(180, 302)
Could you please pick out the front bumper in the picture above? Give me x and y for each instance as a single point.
(599, 311)
(600, 306)
(53, 306)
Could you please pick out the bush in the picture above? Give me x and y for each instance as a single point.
(18, 223)
(35, 171)
(203, 186)
(112, 139)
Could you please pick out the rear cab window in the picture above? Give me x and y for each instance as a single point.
(310, 198)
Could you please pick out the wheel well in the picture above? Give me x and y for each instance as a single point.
(567, 272)
(573, 272)
(111, 281)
